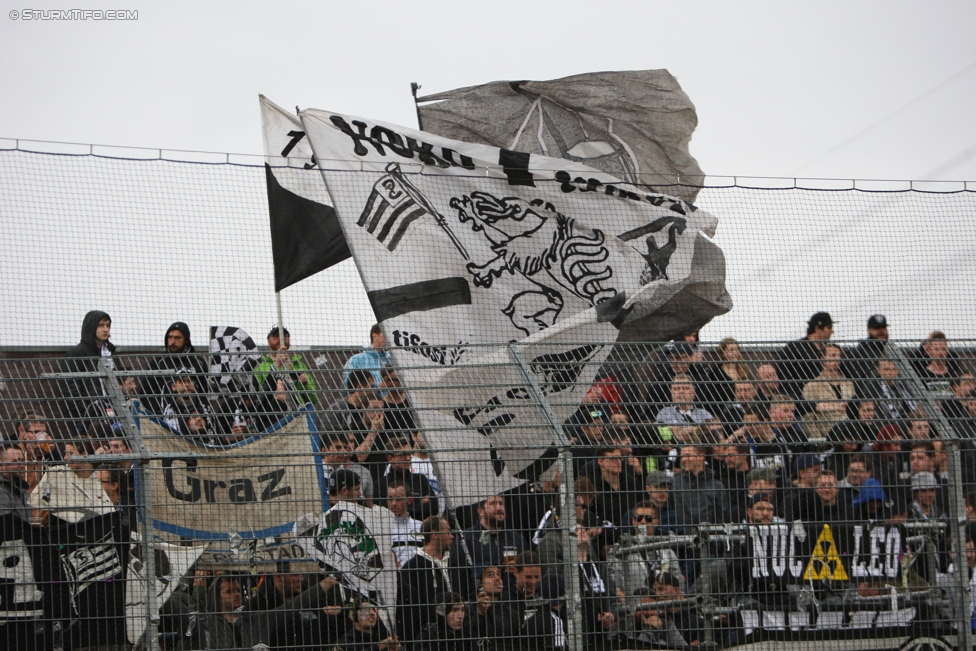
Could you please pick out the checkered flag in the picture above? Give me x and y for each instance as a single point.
(233, 356)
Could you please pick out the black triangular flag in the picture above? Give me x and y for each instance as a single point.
(305, 236)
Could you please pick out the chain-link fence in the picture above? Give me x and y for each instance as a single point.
(710, 495)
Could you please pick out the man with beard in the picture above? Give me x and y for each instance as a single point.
(178, 353)
(488, 543)
(423, 578)
(185, 411)
(861, 361)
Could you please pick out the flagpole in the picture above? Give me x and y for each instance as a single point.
(414, 87)
(281, 325)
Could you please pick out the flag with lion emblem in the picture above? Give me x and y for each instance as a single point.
(461, 245)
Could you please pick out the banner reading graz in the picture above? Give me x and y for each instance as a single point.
(255, 489)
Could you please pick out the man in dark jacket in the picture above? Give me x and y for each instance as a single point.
(83, 358)
(488, 543)
(451, 630)
(179, 353)
(13, 488)
(423, 503)
(698, 495)
(861, 361)
(423, 578)
(799, 361)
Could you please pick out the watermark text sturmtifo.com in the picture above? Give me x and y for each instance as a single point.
(74, 14)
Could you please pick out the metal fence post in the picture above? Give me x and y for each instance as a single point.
(957, 507)
(144, 499)
(567, 506)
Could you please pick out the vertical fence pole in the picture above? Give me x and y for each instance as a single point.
(957, 509)
(567, 505)
(144, 500)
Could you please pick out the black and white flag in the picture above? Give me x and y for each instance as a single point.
(461, 245)
(233, 356)
(305, 233)
(634, 125)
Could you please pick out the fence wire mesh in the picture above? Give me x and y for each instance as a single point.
(758, 492)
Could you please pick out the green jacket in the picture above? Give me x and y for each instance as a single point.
(266, 377)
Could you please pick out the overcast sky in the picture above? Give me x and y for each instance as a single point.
(873, 90)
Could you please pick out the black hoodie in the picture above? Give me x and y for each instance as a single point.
(158, 385)
(83, 358)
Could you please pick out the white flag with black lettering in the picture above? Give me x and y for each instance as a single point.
(461, 245)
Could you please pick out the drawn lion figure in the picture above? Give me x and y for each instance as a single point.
(528, 237)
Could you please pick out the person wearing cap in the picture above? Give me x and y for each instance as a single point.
(861, 361)
(345, 486)
(630, 569)
(799, 361)
(590, 424)
(924, 488)
(422, 578)
(285, 380)
(871, 500)
(658, 484)
(371, 360)
(689, 626)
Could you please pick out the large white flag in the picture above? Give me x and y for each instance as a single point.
(461, 245)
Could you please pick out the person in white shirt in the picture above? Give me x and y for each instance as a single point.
(406, 530)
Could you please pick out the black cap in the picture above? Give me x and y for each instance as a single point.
(682, 348)
(820, 320)
(274, 332)
(877, 321)
(343, 478)
(760, 497)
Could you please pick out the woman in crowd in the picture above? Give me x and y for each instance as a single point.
(830, 391)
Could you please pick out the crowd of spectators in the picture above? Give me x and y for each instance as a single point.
(818, 433)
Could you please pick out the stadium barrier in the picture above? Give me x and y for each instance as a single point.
(710, 495)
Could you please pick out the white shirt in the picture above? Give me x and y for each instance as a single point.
(405, 539)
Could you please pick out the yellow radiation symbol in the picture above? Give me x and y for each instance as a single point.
(824, 561)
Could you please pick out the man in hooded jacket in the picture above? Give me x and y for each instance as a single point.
(179, 353)
(83, 358)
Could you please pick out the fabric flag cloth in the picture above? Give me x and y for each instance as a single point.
(633, 125)
(461, 245)
(252, 489)
(70, 497)
(172, 562)
(233, 356)
(305, 233)
(94, 558)
(33, 593)
(357, 543)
